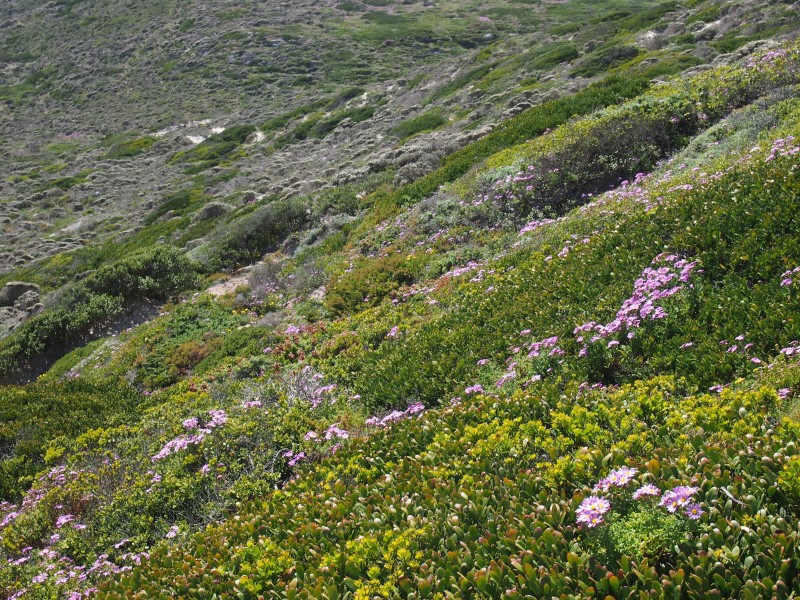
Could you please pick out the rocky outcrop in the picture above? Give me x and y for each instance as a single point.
(14, 290)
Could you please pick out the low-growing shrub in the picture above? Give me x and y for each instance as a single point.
(130, 148)
(427, 121)
(214, 149)
(247, 239)
(368, 284)
(88, 307)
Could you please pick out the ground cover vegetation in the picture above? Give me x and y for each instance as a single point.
(559, 359)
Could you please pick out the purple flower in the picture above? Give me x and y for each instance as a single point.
(63, 520)
(311, 435)
(677, 497)
(618, 478)
(173, 532)
(415, 408)
(670, 501)
(646, 490)
(694, 512)
(335, 431)
(190, 423)
(393, 332)
(475, 389)
(292, 330)
(218, 418)
(595, 504)
(685, 491)
(589, 518)
(297, 458)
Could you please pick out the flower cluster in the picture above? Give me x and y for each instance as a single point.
(54, 567)
(218, 419)
(665, 278)
(792, 349)
(619, 478)
(593, 510)
(783, 147)
(679, 498)
(293, 457)
(788, 278)
(396, 415)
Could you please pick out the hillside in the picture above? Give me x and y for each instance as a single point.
(385, 299)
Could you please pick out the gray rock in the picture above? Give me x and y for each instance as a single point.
(212, 210)
(14, 290)
(28, 301)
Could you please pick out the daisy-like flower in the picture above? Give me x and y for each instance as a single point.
(677, 497)
(683, 494)
(590, 519)
(595, 504)
(625, 475)
(670, 501)
(617, 478)
(645, 491)
(693, 511)
(603, 485)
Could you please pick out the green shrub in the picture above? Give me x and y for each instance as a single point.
(460, 81)
(427, 121)
(368, 284)
(602, 60)
(559, 53)
(213, 150)
(249, 238)
(130, 148)
(33, 416)
(177, 202)
(93, 304)
(525, 126)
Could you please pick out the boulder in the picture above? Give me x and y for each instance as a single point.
(13, 290)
